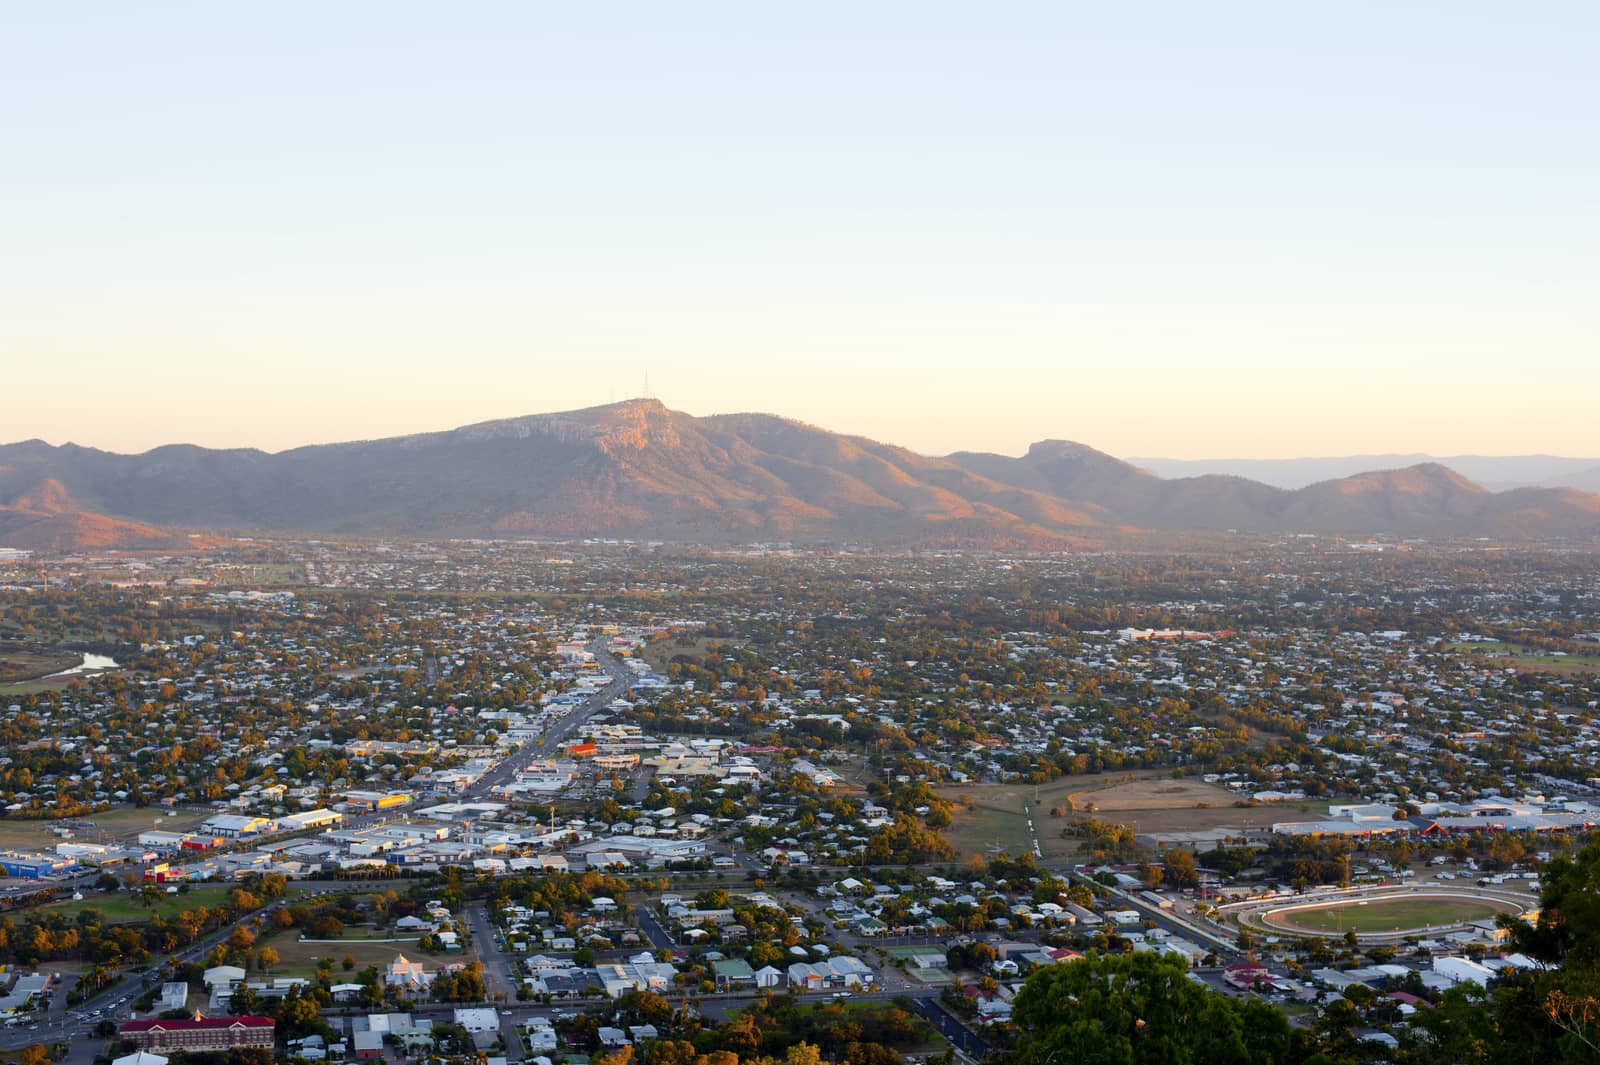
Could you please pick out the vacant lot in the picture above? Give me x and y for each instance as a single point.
(1564, 664)
(991, 818)
(1167, 805)
(119, 907)
(1387, 915)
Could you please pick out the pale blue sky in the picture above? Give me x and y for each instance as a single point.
(1185, 229)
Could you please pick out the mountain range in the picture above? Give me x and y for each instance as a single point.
(638, 469)
(1495, 472)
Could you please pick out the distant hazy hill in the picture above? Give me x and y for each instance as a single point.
(1492, 471)
(47, 519)
(638, 469)
(1423, 500)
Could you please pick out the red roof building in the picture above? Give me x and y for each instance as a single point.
(199, 1033)
(1246, 975)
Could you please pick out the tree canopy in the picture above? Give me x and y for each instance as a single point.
(1142, 1008)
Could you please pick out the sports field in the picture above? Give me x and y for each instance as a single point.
(1386, 915)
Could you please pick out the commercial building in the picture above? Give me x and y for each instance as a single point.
(309, 819)
(35, 866)
(372, 801)
(234, 826)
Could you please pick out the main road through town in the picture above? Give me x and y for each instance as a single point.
(621, 677)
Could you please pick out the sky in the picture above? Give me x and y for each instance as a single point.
(1180, 229)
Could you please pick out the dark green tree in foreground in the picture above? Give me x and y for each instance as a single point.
(1142, 1009)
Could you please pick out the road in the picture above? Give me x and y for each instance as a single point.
(499, 979)
(621, 679)
(82, 880)
(652, 928)
(930, 1009)
(1217, 941)
(507, 769)
(62, 1024)
(499, 971)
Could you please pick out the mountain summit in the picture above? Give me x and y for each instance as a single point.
(639, 469)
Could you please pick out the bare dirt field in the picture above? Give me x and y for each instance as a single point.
(1152, 794)
(1186, 805)
(993, 816)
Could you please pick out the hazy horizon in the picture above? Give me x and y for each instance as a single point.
(1248, 232)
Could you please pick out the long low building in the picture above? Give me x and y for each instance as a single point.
(1435, 826)
(649, 851)
(309, 819)
(234, 826)
(35, 866)
(372, 801)
(199, 1033)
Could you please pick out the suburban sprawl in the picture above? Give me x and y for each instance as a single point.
(609, 802)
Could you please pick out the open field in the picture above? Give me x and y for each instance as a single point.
(990, 818)
(984, 831)
(1529, 659)
(1156, 794)
(126, 822)
(1150, 800)
(30, 661)
(110, 826)
(1186, 805)
(18, 688)
(1386, 915)
(1564, 664)
(119, 907)
(297, 958)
